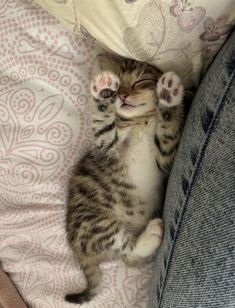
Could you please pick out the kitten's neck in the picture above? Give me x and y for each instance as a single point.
(135, 122)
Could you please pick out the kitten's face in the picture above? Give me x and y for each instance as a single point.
(137, 92)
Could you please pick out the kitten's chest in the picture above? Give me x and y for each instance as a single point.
(140, 160)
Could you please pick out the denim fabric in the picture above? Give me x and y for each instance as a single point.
(195, 266)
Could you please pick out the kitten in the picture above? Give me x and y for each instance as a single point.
(117, 186)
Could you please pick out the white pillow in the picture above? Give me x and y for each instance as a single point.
(179, 35)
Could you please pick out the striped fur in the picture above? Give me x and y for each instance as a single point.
(118, 185)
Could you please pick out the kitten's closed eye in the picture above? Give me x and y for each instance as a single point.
(145, 82)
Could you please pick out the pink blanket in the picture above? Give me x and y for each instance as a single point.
(44, 129)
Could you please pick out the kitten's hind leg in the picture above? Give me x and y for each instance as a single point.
(137, 250)
(133, 261)
(149, 240)
(103, 91)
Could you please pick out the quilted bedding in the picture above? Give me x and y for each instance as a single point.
(44, 128)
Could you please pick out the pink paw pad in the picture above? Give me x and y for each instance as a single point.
(170, 89)
(104, 85)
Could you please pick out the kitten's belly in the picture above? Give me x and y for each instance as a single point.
(143, 171)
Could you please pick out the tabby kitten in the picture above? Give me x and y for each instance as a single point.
(117, 186)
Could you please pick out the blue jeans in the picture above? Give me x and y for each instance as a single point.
(195, 266)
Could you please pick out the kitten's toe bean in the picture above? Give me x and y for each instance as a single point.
(105, 93)
(104, 85)
(170, 89)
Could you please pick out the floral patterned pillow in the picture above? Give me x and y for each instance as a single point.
(179, 35)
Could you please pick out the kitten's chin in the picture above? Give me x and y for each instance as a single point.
(131, 111)
(128, 111)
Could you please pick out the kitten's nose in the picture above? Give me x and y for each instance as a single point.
(123, 97)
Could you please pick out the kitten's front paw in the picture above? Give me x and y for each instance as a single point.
(104, 86)
(170, 89)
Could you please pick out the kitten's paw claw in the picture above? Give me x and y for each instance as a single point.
(104, 85)
(170, 89)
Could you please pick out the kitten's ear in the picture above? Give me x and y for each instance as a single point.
(109, 63)
(154, 71)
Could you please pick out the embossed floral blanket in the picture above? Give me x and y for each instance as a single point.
(179, 35)
(44, 128)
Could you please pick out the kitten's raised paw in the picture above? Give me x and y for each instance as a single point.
(170, 89)
(104, 85)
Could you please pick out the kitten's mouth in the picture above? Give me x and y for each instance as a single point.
(130, 106)
(125, 105)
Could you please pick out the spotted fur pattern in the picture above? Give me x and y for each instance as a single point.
(118, 185)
